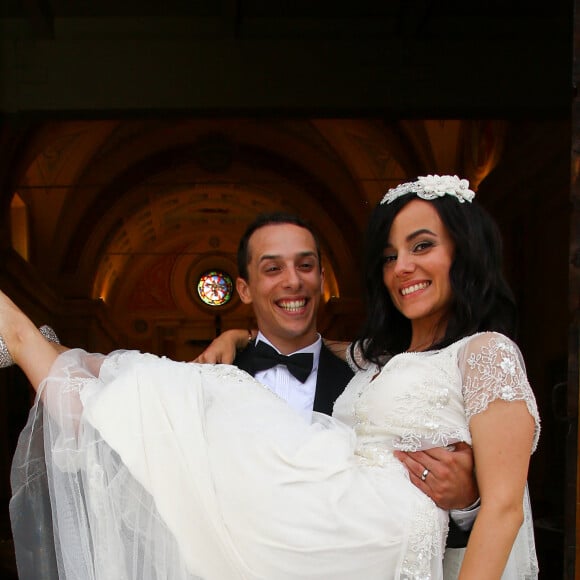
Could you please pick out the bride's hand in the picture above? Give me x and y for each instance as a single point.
(223, 348)
(446, 476)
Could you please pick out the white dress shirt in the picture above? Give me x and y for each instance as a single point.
(300, 396)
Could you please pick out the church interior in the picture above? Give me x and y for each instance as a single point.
(126, 177)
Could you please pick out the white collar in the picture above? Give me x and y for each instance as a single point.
(314, 348)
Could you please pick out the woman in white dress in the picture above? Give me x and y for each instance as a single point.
(159, 469)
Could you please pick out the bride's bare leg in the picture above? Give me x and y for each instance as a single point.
(26, 345)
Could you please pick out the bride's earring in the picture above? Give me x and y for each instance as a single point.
(6, 359)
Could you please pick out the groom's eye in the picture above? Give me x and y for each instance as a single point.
(271, 268)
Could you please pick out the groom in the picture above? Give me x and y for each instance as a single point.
(281, 276)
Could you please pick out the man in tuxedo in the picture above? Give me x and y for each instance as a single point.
(281, 276)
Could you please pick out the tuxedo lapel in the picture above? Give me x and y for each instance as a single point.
(333, 376)
(244, 359)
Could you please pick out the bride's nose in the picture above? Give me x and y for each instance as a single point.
(405, 264)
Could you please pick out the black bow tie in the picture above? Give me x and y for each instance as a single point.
(299, 365)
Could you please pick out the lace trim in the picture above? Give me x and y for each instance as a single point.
(496, 371)
(425, 547)
(413, 442)
(375, 455)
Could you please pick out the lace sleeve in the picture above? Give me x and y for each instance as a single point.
(493, 368)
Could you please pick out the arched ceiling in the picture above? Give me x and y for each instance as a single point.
(113, 203)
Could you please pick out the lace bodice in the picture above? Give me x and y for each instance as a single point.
(426, 399)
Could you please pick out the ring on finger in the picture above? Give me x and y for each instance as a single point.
(424, 474)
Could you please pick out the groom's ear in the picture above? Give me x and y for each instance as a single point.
(244, 292)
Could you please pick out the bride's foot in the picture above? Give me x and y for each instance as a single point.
(17, 329)
(24, 344)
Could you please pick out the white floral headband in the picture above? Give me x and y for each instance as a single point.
(433, 186)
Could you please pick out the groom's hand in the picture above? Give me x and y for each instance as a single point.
(447, 477)
(223, 349)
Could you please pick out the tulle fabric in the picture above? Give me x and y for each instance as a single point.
(106, 524)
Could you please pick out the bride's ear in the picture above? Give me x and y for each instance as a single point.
(244, 292)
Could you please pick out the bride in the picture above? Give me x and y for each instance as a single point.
(159, 469)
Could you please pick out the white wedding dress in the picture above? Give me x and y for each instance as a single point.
(165, 470)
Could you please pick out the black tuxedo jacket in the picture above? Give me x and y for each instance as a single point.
(333, 376)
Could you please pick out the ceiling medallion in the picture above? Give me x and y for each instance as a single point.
(215, 287)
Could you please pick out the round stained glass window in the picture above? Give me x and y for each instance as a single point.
(215, 288)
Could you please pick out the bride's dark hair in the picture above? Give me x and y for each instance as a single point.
(482, 299)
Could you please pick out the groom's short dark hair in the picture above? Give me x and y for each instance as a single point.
(268, 219)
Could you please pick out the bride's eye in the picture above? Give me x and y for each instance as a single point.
(422, 246)
(388, 259)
